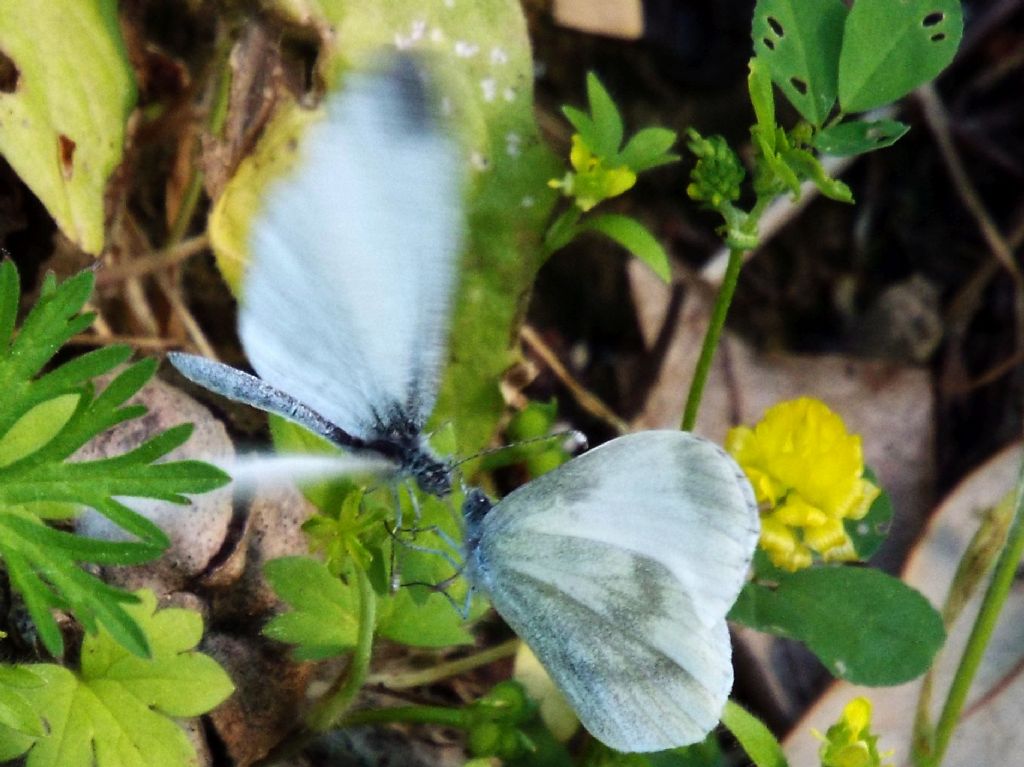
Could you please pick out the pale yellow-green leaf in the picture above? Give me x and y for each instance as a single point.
(242, 197)
(63, 113)
(36, 428)
(554, 709)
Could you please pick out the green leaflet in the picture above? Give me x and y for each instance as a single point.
(119, 709)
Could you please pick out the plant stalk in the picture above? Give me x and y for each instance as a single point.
(329, 710)
(981, 632)
(712, 337)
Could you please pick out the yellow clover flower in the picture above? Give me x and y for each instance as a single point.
(849, 742)
(592, 182)
(807, 475)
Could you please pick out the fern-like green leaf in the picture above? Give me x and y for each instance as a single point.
(44, 419)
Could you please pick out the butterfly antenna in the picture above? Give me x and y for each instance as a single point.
(574, 442)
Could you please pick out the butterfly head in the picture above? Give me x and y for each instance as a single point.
(474, 509)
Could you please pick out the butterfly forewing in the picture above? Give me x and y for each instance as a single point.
(353, 259)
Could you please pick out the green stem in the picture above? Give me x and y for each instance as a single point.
(711, 338)
(981, 633)
(331, 708)
(446, 717)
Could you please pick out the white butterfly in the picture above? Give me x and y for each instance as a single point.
(617, 568)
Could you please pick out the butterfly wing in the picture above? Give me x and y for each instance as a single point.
(353, 259)
(618, 569)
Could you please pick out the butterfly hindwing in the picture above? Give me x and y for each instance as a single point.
(618, 569)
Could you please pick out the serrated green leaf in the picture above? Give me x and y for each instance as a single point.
(865, 626)
(634, 237)
(608, 128)
(800, 41)
(62, 124)
(44, 421)
(648, 149)
(858, 136)
(118, 710)
(324, 619)
(756, 739)
(891, 48)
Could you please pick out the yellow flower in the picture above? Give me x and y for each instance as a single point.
(807, 474)
(849, 742)
(592, 182)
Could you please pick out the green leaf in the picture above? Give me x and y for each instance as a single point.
(120, 709)
(869, 533)
(324, 619)
(706, 754)
(36, 428)
(420, 615)
(806, 165)
(762, 98)
(800, 41)
(865, 626)
(584, 126)
(16, 712)
(891, 48)
(608, 127)
(755, 738)
(563, 229)
(62, 124)
(44, 421)
(648, 148)
(859, 136)
(632, 235)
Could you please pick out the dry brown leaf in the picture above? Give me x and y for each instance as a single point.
(615, 18)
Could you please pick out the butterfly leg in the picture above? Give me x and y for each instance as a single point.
(442, 588)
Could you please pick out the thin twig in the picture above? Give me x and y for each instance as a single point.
(938, 122)
(586, 400)
(153, 262)
(195, 333)
(403, 680)
(138, 342)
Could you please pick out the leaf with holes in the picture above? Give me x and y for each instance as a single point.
(64, 101)
(859, 136)
(891, 48)
(799, 41)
